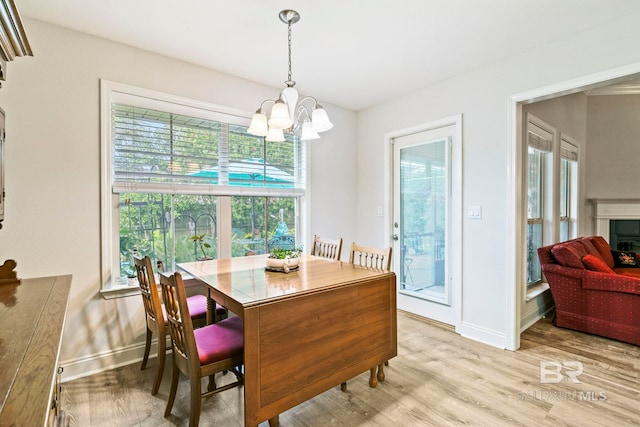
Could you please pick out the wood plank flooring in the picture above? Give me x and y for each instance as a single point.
(438, 379)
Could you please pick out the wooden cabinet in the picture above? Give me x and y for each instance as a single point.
(32, 316)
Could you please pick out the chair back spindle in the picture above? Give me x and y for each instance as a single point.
(327, 248)
(149, 291)
(379, 259)
(178, 318)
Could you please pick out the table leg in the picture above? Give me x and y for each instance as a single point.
(211, 308)
(381, 372)
(373, 380)
(275, 421)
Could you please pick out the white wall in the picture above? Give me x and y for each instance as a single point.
(614, 146)
(52, 171)
(483, 97)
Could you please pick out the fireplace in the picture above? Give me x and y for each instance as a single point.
(618, 221)
(624, 234)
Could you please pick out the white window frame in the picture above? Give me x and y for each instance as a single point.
(114, 92)
(540, 136)
(569, 155)
(559, 146)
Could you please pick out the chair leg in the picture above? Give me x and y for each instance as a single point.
(147, 347)
(373, 381)
(162, 350)
(212, 383)
(174, 386)
(343, 386)
(196, 401)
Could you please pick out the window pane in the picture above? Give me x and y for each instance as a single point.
(423, 206)
(534, 187)
(564, 188)
(194, 215)
(260, 224)
(564, 230)
(155, 147)
(145, 227)
(534, 241)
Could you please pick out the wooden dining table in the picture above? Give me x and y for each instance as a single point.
(304, 331)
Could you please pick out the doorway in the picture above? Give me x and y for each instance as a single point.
(426, 220)
(622, 80)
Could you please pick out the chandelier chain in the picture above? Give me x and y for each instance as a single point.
(288, 113)
(289, 42)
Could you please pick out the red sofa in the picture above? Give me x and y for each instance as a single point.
(595, 289)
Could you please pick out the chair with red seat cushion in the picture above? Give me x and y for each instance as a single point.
(202, 352)
(155, 314)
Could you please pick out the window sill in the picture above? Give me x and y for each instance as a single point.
(536, 290)
(120, 292)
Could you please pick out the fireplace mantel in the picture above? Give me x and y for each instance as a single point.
(607, 209)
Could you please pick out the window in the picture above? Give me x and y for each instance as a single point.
(535, 205)
(568, 188)
(183, 180)
(551, 188)
(539, 147)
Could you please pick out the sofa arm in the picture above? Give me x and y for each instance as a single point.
(562, 270)
(611, 283)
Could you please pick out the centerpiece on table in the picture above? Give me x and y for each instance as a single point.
(283, 260)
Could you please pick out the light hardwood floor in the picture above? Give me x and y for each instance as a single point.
(437, 379)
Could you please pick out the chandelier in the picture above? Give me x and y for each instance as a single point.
(305, 117)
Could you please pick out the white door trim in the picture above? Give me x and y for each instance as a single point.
(515, 228)
(456, 199)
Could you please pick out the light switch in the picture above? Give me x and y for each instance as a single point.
(379, 210)
(475, 212)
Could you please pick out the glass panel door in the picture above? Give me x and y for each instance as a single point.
(423, 176)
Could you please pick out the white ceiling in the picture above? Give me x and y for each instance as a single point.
(352, 53)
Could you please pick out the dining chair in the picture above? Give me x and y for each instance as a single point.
(155, 318)
(370, 257)
(326, 248)
(202, 352)
(380, 259)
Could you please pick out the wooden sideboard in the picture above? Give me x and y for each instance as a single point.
(32, 316)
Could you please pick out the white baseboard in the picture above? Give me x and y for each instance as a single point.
(483, 335)
(96, 363)
(533, 316)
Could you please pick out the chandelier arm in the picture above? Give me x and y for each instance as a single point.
(301, 110)
(306, 98)
(261, 109)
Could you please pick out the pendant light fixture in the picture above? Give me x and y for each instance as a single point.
(305, 117)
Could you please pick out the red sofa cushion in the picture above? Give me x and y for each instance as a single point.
(594, 263)
(603, 247)
(590, 248)
(569, 254)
